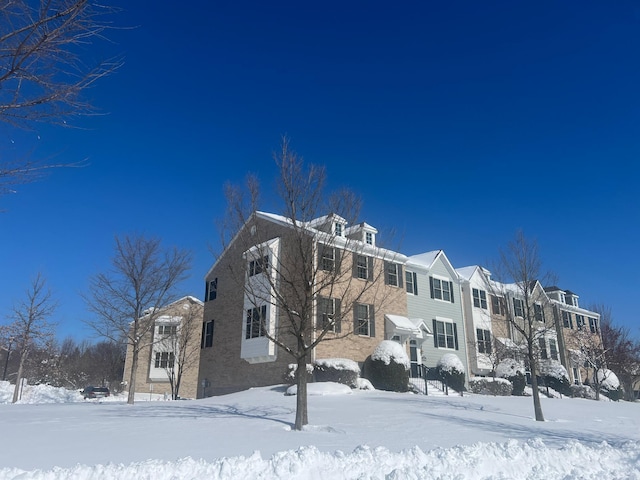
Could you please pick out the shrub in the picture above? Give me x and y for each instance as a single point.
(555, 376)
(387, 368)
(490, 386)
(290, 374)
(339, 370)
(582, 391)
(513, 371)
(451, 370)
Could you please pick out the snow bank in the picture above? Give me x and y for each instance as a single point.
(531, 460)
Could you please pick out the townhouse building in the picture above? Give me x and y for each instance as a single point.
(578, 331)
(172, 343)
(433, 294)
(357, 291)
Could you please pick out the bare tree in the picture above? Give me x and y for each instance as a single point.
(621, 350)
(127, 300)
(312, 286)
(43, 72)
(524, 303)
(31, 327)
(184, 345)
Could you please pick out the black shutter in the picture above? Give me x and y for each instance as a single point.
(319, 313)
(355, 264)
(206, 290)
(400, 276)
(435, 333)
(338, 316)
(370, 268)
(321, 248)
(386, 272)
(451, 289)
(431, 286)
(372, 322)
(337, 260)
(355, 318)
(455, 335)
(204, 332)
(415, 283)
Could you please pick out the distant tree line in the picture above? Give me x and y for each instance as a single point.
(67, 364)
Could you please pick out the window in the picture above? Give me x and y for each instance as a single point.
(479, 298)
(543, 348)
(327, 258)
(579, 321)
(518, 307)
(211, 290)
(593, 325)
(207, 334)
(164, 360)
(441, 289)
(411, 281)
(363, 267)
(553, 349)
(364, 320)
(368, 238)
(167, 329)
(496, 305)
(446, 335)
(393, 274)
(338, 229)
(256, 319)
(538, 312)
(567, 321)
(258, 266)
(576, 375)
(484, 341)
(329, 314)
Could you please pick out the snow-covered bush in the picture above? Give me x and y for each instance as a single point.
(451, 370)
(290, 374)
(609, 384)
(339, 370)
(555, 376)
(513, 371)
(582, 391)
(490, 386)
(388, 367)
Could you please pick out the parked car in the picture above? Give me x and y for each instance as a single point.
(95, 392)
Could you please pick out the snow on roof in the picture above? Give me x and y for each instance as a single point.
(467, 272)
(403, 323)
(425, 259)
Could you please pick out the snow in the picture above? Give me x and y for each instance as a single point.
(54, 434)
(608, 380)
(509, 368)
(450, 362)
(553, 368)
(339, 364)
(388, 350)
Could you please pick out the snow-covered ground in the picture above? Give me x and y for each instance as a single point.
(55, 434)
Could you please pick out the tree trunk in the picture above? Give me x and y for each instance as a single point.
(537, 407)
(16, 390)
(132, 375)
(301, 395)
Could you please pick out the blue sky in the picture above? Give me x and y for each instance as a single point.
(456, 122)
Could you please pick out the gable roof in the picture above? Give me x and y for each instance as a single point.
(428, 259)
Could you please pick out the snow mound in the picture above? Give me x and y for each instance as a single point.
(532, 460)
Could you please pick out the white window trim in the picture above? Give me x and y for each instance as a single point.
(446, 320)
(442, 279)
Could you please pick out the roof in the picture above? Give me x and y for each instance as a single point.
(425, 259)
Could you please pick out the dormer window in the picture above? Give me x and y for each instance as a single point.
(338, 229)
(563, 298)
(368, 238)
